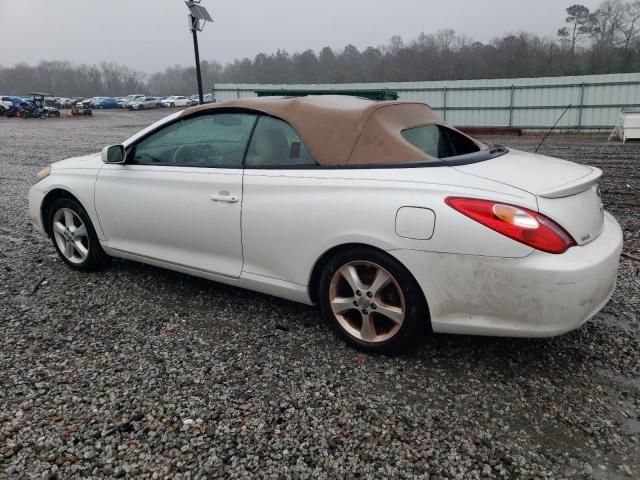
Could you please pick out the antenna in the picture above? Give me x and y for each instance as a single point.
(554, 126)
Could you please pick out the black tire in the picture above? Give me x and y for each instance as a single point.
(173, 105)
(416, 321)
(95, 258)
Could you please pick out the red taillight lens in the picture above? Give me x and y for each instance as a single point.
(518, 223)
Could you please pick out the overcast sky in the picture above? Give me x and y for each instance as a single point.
(152, 34)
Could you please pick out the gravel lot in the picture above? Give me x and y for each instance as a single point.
(141, 372)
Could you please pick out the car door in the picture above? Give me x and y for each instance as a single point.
(177, 197)
(281, 205)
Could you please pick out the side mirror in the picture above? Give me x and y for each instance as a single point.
(113, 154)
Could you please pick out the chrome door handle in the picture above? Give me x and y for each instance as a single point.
(225, 197)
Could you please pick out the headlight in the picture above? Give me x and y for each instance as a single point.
(42, 174)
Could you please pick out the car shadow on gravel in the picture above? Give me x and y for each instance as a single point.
(182, 292)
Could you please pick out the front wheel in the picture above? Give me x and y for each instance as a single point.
(372, 301)
(74, 237)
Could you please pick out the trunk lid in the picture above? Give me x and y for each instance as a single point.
(566, 192)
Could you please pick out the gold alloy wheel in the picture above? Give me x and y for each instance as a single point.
(367, 301)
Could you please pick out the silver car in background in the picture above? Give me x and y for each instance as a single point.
(144, 103)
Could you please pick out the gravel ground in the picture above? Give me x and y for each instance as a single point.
(141, 372)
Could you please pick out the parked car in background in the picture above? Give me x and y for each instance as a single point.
(207, 98)
(18, 101)
(123, 101)
(104, 102)
(50, 102)
(5, 104)
(176, 101)
(144, 103)
(393, 222)
(87, 102)
(51, 111)
(68, 102)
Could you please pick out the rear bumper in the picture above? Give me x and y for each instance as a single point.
(541, 295)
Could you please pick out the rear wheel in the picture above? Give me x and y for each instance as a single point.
(372, 301)
(74, 237)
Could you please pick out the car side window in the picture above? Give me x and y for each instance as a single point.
(208, 141)
(276, 144)
(439, 142)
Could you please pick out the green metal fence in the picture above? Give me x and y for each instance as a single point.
(519, 103)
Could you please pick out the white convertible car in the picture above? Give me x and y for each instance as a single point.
(391, 221)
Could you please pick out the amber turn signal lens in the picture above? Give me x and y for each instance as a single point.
(515, 216)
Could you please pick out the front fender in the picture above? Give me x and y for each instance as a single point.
(78, 183)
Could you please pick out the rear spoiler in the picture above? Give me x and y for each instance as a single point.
(573, 187)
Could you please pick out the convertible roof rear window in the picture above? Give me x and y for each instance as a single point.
(440, 142)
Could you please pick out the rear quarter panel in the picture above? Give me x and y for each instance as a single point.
(291, 217)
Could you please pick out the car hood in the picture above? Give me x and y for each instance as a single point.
(92, 161)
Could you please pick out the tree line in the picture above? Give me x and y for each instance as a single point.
(606, 40)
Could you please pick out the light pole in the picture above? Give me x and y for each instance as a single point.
(198, 17)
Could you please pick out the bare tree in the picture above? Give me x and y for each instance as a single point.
(629, 25)
(606, 22)
(579, 26)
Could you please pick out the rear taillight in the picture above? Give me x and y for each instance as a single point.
(518, 223)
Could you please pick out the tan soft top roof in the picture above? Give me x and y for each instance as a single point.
(343, 130)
